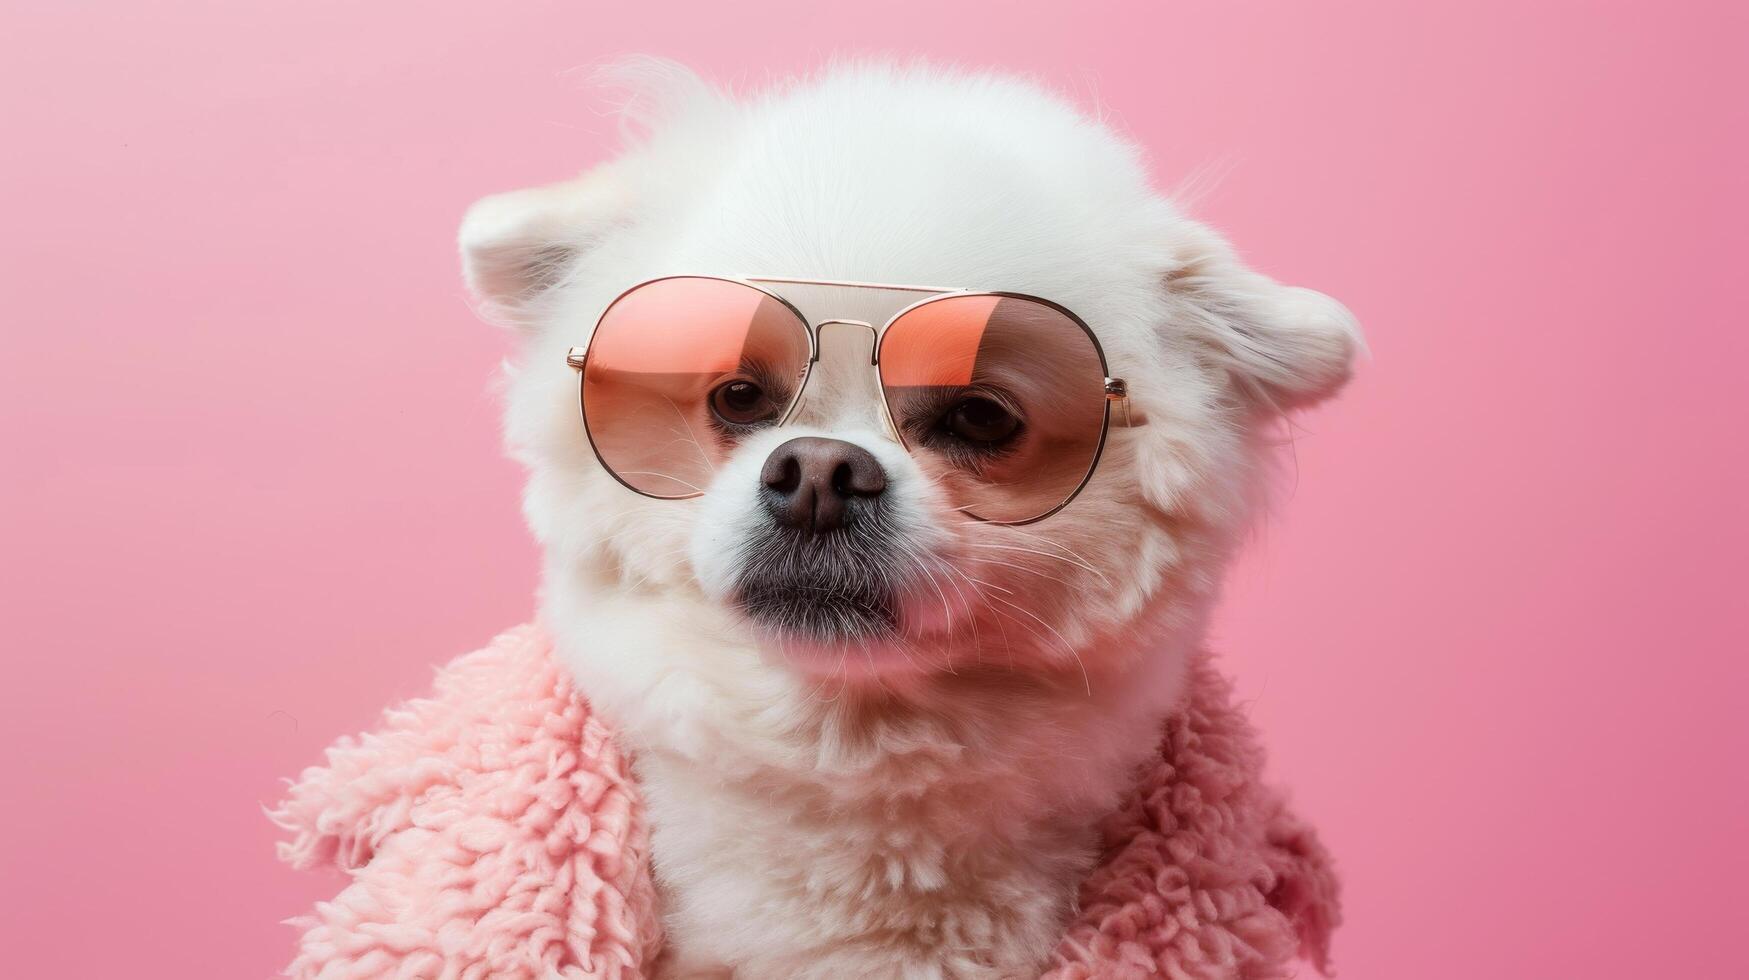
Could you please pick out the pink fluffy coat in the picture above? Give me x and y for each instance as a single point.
(494, 830)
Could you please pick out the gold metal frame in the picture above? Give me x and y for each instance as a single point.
(1114, 391)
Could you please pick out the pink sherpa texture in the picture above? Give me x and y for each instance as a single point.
(494, 830)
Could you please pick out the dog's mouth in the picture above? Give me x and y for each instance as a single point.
(830, 590)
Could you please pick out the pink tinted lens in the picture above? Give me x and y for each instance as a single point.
(1028, 356)
(657, 355)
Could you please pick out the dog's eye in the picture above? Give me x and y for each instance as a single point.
(742, 402)
(981, 421)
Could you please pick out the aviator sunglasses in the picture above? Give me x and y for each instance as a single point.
(1003, 397)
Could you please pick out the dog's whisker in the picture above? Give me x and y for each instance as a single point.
(991, 585)
(987, 545)
(923, 560)
(1023, 568)
(686, 426)
(1067, 648)
(666, 476)
(1077, 557)
(956, 575)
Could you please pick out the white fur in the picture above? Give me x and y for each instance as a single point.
(926, 809)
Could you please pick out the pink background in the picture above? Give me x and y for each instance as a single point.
(253, 489)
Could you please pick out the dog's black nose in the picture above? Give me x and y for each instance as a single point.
(810, 482)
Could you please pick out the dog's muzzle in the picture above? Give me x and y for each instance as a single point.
(822, 570)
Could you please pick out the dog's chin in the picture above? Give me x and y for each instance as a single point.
(821, 614)
(826, 630)
(849, 629)
(825, 603)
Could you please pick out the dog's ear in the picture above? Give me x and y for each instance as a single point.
(1284, 347)
(517, 245)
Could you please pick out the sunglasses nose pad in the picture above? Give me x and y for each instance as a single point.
(843, 388)
(845, 338)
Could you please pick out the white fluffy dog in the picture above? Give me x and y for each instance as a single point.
(900, 779)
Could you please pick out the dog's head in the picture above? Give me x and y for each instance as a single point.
(825, 539)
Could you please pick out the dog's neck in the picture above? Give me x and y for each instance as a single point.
(678, 681)
(827, 809)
